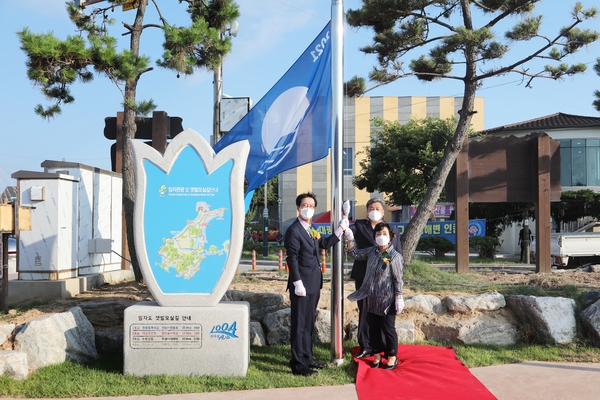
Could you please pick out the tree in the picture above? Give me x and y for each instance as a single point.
(55, 65)
(574, 205)
(402, 159)
(460, 33)
(596, 102)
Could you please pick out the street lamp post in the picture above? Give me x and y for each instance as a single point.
(218, 87)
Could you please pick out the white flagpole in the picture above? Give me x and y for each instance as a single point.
(337, 98)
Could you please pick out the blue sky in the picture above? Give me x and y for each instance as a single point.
(272, 35)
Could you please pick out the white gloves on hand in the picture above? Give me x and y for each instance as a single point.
(349, 234)
(346, 208)
(399, 305)
(344, 223)
(299, 289)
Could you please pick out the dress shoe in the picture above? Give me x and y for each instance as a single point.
(362, 354)
(317, 365)
(376, 364)
(392, 366)
(304, 371)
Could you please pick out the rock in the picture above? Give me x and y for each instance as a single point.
(278, 326)
(551, 318)
(13, 364)
(352, 331)
(405, 330)
(467, 304)
(257, 334)
(5, 331)
(109, 340)
(424, 303)
(492, 329)
(105, 314)
(260, 303)
(591, 320)
(590, 297)
(595, 268)
(56, 338)
(322, 332)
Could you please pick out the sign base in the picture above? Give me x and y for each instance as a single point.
(187, 340)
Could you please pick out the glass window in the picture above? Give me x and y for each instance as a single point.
(578, 172)
(593, 165)
(348, 161)
(578, 143)
(564, 143)
(565, 166)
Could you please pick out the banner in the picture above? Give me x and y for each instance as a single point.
(290, 126)
(445, 229)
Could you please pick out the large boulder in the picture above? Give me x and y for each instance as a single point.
(13, 364)
(278, 324)
(260, 303)
(424, 303)
(591, 320)
(551, 318)
(405, 330)
(56, 338)
(257, 334)
(467, 304)
(104, 314)
(322, 332)
(495, 329)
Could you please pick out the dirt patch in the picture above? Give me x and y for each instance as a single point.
(131, 292)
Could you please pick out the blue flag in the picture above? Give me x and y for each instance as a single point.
(291, 125)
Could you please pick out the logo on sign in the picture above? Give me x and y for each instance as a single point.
(224, 331)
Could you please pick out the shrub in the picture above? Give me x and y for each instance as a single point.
(437, 246)
(485, 246)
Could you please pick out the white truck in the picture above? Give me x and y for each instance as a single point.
(572, 250)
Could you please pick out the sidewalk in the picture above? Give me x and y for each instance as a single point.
(524, 381)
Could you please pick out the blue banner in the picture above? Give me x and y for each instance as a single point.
(290, 126)
(445, 229)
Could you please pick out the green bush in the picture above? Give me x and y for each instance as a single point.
(437, 246)
(485, 246)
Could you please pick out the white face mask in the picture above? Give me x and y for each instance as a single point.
(382, 240)
(307, 212)
(375, 215)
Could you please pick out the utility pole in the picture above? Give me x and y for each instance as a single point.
(266, 226)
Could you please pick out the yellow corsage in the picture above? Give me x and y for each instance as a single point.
(386, 258)
(314, 233)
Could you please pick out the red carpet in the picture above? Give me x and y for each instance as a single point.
(425, 372)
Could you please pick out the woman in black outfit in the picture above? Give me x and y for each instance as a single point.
(382, 294)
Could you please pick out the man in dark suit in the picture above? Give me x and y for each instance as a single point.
(303, 245)
(364, 237)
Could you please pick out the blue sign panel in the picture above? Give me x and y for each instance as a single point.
(445, 229)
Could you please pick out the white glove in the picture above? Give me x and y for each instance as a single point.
(399, 305)
(346, 208)
(299, 289)
(344, 223)
(349, 234)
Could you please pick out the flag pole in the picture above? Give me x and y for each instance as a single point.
(337, 98)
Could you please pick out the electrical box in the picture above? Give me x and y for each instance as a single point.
(36, 193)
(97, 246)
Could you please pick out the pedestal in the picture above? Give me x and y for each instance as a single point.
(187, 340)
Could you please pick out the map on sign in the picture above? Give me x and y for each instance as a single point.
(186, 250)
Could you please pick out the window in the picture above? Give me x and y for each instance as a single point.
(348, 161)
(580, 162)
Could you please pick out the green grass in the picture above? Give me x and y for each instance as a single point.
(268, 369)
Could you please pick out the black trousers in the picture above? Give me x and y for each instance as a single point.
(303, 311)
(382, 333)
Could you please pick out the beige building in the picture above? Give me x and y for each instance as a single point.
(358, 113)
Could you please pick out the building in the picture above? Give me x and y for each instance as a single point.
(579, 138)
(358, 113)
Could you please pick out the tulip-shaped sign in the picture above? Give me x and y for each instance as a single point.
(189, 218)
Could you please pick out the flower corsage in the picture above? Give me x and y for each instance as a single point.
(386, 257)
(314, 233)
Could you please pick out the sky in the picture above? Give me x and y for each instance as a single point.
(272, 35)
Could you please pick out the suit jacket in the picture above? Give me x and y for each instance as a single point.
(363, 236)
(304, 255)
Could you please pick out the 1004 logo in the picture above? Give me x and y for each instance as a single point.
(224, 331)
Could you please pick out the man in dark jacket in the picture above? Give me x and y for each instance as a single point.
(303, 246)
(364, 237)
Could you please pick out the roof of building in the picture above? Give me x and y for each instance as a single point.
(554, 121)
